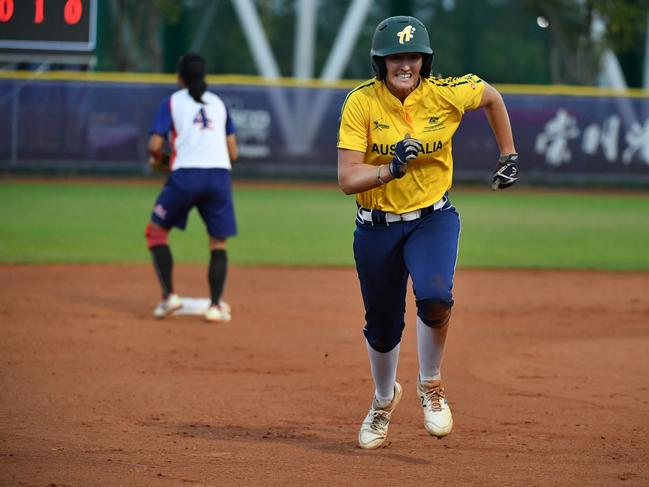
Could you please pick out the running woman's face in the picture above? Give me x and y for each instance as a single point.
(403, 73)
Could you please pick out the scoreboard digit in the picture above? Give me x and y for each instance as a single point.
(48, 25)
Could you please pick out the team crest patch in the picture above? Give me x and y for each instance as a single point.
(433, 124)
(406, 34)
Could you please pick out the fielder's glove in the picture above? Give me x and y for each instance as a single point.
(405, 151)
(160, 163)
(506, 172)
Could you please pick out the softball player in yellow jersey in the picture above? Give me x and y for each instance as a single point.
(395, 154)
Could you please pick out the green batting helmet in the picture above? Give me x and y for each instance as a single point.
(400, 34)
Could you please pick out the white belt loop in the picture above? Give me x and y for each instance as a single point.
(366, 215)
(440, 203)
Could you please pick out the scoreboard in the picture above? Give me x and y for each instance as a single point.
(48, 25)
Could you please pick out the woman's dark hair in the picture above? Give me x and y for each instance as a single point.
(191, 68)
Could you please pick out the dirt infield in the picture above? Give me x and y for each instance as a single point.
(547, 374)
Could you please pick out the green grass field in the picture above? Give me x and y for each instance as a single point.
(95, 222)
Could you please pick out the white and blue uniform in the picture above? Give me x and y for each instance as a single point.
(200, 163)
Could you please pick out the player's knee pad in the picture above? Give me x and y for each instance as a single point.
(155, 235)
(434, 312)
(383, 345)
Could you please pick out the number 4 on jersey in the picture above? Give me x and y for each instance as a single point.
(202, 120)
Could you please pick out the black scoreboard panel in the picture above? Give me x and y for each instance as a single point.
(48, 25)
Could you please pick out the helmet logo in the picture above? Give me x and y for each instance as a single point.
(406, 34)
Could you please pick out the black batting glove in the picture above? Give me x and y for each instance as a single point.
(506, 172)
(405, 151)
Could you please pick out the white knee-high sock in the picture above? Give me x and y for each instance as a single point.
(430, 345)
(384, 372)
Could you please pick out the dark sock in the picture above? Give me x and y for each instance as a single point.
(163, 264)
(217, 272)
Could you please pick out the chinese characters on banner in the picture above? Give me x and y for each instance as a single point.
(608, 136)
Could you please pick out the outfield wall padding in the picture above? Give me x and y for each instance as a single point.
(54, 125)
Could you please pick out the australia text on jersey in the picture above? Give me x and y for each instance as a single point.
(428, 148)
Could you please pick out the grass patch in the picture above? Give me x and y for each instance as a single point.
(311, 226)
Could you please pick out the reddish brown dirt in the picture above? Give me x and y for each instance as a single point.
(547, 374)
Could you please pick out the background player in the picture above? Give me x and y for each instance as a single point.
(394, 153)
(202, 138)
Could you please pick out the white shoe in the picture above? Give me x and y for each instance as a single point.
(374, 429)
(168, 306)
(225, 307)
(218, 313)
(438, 420)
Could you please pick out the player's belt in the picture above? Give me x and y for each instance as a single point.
(378, 217)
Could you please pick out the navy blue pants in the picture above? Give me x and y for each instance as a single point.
(386, 254)
(209, 190)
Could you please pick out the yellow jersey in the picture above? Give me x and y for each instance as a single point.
(373, 120)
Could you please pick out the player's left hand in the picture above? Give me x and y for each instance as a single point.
(161, 164)
(506, 172)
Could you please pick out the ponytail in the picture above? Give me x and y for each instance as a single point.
(196, 88)
(191, 68)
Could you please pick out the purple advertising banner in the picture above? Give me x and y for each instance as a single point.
(102, 126)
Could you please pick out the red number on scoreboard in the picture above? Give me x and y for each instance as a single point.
(38, 12)
(6, 10)
(72, 12)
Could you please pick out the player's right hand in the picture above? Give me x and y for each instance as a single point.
(405, 151)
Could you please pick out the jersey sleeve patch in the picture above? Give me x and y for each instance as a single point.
(464, 92)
